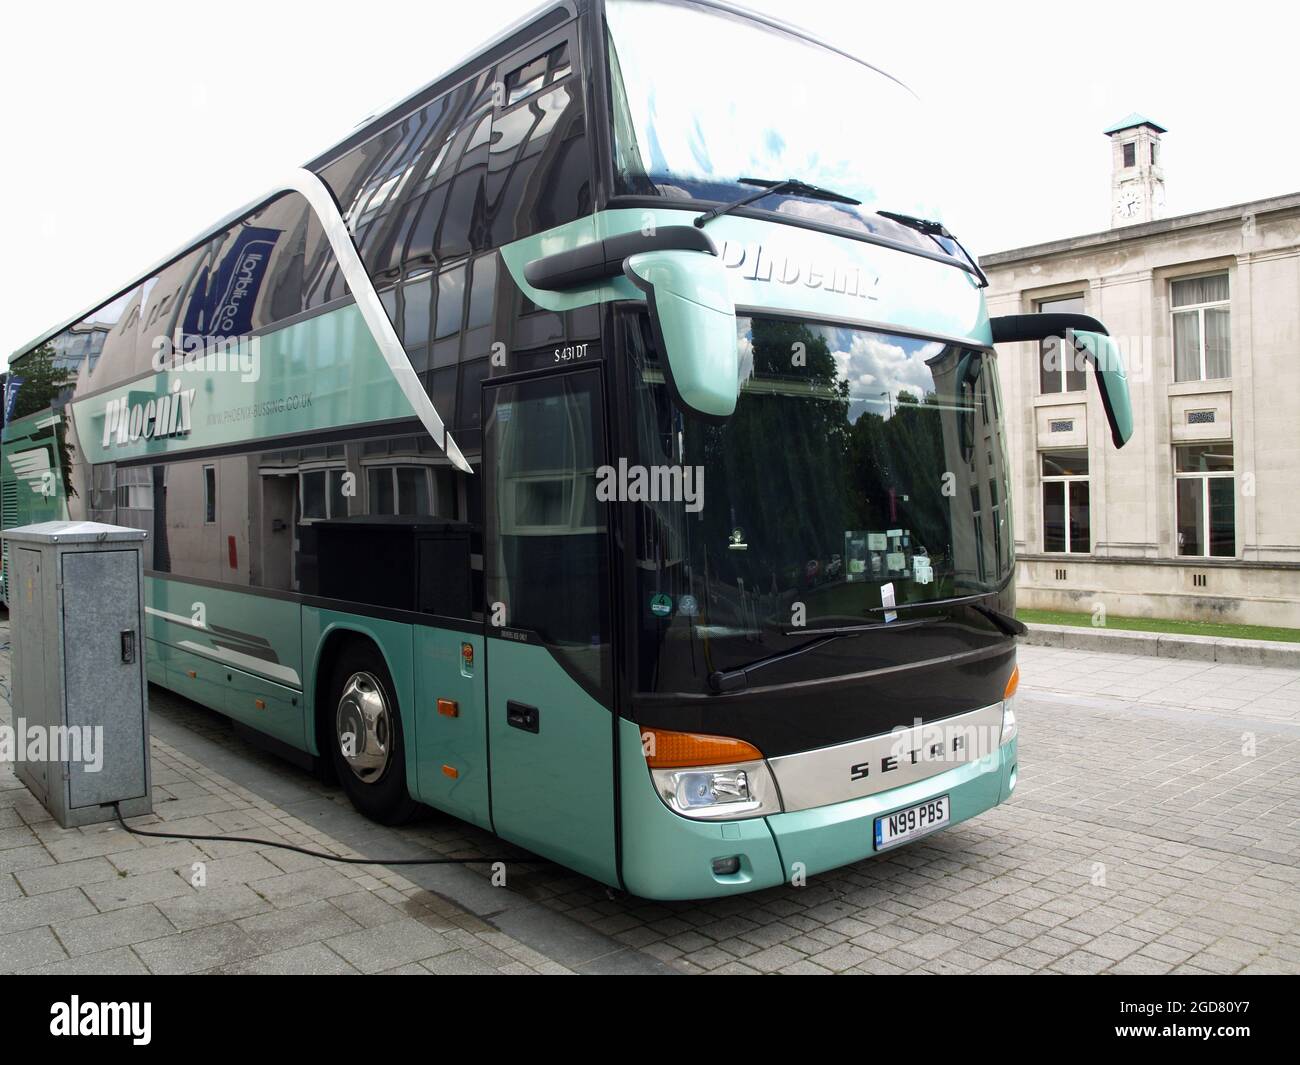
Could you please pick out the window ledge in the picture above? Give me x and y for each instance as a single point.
(1194, 388)
(1060, 399)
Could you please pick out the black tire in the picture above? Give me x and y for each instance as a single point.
(378, 791)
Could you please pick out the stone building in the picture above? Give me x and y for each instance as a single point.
(1199, 516)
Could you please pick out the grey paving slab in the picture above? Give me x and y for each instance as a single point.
(29, 948)
(202, 949)
(309, 959)
(390, 944)
(120, 962)
(212, 905)
(125, 891)
(48, 878)
(33, 911)
(100, 932)
(283, 929)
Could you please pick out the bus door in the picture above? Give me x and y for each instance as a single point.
(546, 577)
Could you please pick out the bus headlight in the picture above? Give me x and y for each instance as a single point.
(709, 777)
(719, 791)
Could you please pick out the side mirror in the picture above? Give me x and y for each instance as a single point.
(1091, 336)
(694, 323)
(691, 311)
(1112, 383)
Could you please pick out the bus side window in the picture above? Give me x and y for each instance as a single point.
(539, 123)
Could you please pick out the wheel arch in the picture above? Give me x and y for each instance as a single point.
(393, 644)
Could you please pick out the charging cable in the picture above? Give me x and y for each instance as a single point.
(322, 854)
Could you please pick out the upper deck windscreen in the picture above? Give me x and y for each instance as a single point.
(702, 98)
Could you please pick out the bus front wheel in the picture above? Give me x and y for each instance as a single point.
(366, 732)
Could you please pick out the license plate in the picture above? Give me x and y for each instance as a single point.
(902, 825)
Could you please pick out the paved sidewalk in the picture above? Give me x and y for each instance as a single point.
(97, 900)
(1156, 829)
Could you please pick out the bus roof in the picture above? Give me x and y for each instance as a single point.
(504, 42)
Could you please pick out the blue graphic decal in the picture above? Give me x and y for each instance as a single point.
(222, 303)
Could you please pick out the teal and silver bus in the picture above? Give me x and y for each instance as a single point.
(602, 445)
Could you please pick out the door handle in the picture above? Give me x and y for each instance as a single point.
(522, 716)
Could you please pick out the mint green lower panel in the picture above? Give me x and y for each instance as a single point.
(154, 668)
(270, 708)
(828, 837)
(553, 789)
(257, 634)
(253, 701)
(189, 675)
(446, 745)
(1010, 769)
(666, 856)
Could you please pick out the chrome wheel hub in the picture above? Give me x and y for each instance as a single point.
(364, 727)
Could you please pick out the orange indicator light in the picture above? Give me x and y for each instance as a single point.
(1012, 684)
(674, 750)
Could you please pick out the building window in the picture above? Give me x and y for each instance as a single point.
(1202, 346)
(135, 497)
(320, 493)
(1206, 498)
(1130, 154)
(209, 495)
(1067, 526)
(1060, 365)
(399, 490)
(131, 488)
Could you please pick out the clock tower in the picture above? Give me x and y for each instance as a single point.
(1137, 181)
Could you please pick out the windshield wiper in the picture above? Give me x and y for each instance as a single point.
(773, 188)
(936, 230)
(1005, 622)
(733, 680)
(1009, 625)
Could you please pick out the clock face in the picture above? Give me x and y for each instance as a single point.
(1127, 204)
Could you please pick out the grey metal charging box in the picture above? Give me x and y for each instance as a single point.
(76, 602)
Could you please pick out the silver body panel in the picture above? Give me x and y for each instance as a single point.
(875, 764)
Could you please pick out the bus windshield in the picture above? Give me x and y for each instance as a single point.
(702, 98)
(859, 468)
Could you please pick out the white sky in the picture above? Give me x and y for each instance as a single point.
(129, 128)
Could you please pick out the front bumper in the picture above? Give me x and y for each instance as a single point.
(666, 856)
(827, 837)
